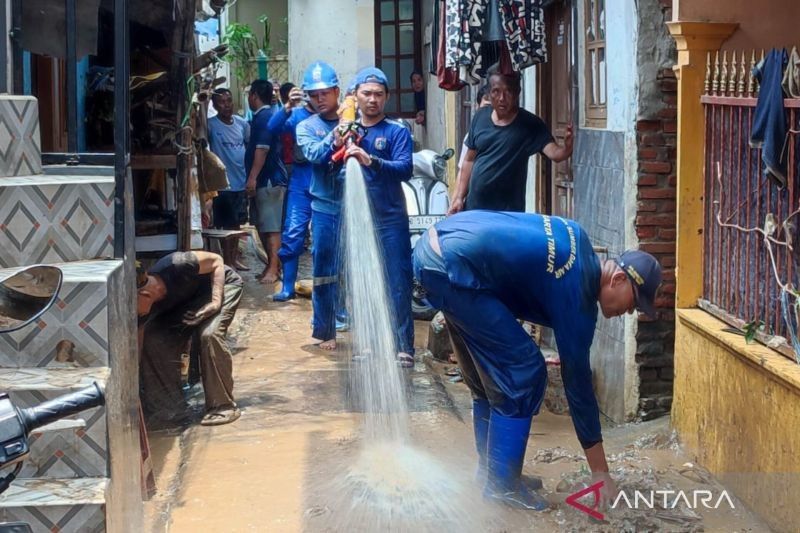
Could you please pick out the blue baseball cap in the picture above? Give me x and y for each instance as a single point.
(645, 273)
(371, 75)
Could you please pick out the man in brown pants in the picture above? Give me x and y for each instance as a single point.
(186, 293)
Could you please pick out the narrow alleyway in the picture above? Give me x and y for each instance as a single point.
(281, 467)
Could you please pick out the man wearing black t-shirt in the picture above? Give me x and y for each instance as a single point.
(500, 141)
(187, 294)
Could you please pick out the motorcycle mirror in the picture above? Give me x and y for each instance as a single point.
(447, 154)
(26, 294)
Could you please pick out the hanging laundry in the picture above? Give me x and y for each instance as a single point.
(769, 123)
(481, 33)
(446, 67)
(523, 21)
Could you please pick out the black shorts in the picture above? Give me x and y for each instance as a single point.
(230, 209)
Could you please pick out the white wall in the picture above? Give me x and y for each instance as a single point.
(339, 32)
(530, 102)
(434, 136)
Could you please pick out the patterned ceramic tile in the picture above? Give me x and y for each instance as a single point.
(71, 452)
(72, 447)
(20, 147)
(79, 315)
(56, 505)
(52, 219)
(60, 519)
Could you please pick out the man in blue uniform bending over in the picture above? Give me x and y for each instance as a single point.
(386, 152)
(298, 203)
(485, 269)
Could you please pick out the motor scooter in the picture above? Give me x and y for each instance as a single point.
(427, 202)
(24, 296)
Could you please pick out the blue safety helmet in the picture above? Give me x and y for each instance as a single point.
(319, 75)
(371, 75)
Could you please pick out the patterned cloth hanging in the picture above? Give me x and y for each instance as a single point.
(523, 21)
(467, 49)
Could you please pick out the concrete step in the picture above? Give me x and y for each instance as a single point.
(57, 505)
(50, 218)
(90, 304)
(20, 144)
(74, 447)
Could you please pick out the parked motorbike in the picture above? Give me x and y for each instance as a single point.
(24, 297)
(427, 202)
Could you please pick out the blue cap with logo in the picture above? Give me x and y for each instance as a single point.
(371, 75)
(319, 75)
(645, 273)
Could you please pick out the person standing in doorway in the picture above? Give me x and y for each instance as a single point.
(501, 139)
(228, 135)
(266, 178)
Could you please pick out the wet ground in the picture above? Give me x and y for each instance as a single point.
(296, 461)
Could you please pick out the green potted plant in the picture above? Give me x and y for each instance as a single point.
(246, 51)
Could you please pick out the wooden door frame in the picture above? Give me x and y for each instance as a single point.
(545, 194)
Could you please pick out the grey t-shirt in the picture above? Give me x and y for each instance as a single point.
(500, 170)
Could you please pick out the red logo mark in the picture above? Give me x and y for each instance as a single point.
(592, 511)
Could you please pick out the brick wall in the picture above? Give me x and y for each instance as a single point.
(655, 227)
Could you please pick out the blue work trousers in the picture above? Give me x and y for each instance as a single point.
(395, 242)
(502, 364)
(295, 225)
(326, 257)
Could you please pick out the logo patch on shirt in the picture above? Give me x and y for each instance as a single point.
(380, 143)
(320, 133)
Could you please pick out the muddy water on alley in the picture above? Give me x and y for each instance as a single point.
(296, 459)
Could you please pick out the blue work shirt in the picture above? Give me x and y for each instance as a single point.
(228, 142)
(389, 143)
(283, 122)
(545, 271)
(273, 172)
(315, 139)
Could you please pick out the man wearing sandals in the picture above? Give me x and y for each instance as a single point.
(187, 295)
(385, 153)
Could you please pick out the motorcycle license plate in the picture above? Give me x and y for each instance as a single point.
(422, 222)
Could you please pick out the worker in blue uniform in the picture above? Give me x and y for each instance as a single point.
(298, 202)
(318, 138)
(485, 269)
(385, 153)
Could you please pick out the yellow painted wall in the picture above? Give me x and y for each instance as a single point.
(762, 24)
(737, 408)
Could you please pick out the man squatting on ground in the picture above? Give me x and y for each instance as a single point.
(298, 203)
(187, 294)
(385, 153)
(549, 276)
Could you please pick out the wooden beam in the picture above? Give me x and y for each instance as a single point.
(182, 54)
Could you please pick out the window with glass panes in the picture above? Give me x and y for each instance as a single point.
(595, 26)
(397, 51)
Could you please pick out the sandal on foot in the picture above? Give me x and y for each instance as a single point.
(219, 417)
(405, 360)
